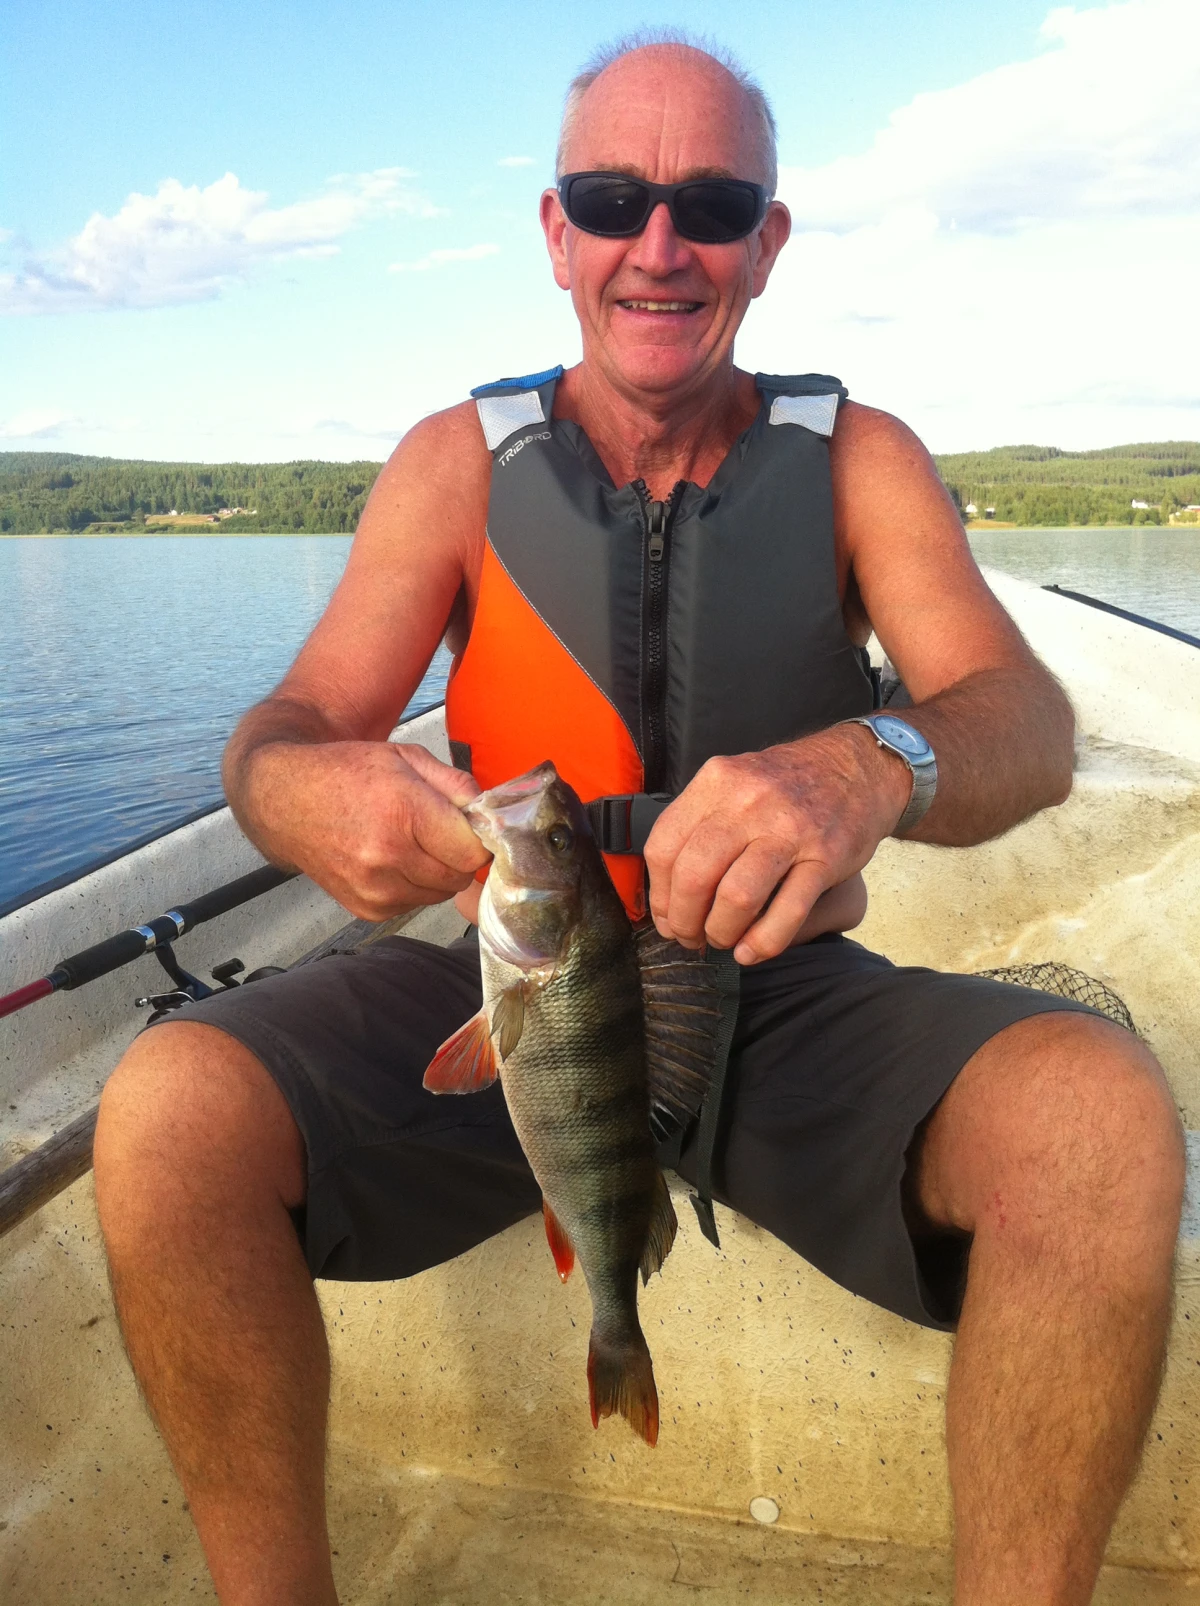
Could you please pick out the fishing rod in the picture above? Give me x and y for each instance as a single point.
(157, 934)
(1124, 613)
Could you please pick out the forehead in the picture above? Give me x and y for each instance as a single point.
(665, 114)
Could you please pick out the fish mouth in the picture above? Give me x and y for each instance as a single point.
(511, 807)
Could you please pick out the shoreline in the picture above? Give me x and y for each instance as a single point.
(190, 532)
(208, 533)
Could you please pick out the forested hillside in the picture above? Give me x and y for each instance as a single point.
(44, 491)
(1042, 485)
(59, 491)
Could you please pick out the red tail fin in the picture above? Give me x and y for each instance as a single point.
(621, 1379)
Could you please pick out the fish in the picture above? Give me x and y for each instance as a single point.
(597, 1033)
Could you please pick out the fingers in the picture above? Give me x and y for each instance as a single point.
(746, 889)
(783, 917)
(457, 785)
(683, 883)
(436, 822)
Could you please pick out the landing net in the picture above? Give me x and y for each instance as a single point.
(1064, 982)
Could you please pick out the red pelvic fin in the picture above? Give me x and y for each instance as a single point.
(466, 1061)
(621, 1379)
(561, 1246)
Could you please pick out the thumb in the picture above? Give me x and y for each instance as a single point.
(455, 785)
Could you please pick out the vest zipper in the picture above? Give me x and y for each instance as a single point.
(657, 518)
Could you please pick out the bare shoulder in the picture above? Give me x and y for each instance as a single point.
(906, 558)
(414, 562)
(877, 456)
(442, 462)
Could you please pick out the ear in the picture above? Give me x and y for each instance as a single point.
(554, 226)
(770, 240)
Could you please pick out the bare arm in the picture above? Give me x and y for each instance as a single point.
(745, 852)
(309, 772)
(999, 722)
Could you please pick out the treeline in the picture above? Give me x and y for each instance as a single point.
(1042, 485)
(49, 491)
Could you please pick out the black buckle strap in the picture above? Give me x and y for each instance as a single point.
(621, 823)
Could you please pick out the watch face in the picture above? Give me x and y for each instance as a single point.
(902, 736)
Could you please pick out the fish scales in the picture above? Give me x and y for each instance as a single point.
(566, 1026)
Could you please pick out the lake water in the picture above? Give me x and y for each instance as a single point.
(1154, 572)
(124, 664)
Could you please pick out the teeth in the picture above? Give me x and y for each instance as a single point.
(662, 306)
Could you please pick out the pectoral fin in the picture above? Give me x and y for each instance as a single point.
(466, 1061)
(508, 1018)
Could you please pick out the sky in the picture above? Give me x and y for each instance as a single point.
(270, 231)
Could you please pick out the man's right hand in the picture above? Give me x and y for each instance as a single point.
(377, 824)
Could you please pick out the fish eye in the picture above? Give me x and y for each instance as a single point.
(560, 837)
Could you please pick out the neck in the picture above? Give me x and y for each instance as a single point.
(660, 439)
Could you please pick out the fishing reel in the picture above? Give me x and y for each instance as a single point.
(190, 989)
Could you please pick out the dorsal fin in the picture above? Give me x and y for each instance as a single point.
(688, 997)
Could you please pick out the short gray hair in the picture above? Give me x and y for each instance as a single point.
(628, 43)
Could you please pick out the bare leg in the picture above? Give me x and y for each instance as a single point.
(197, 1163)
(1059, 1149)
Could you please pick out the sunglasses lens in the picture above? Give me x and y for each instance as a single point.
(604, 205)
(715, 212)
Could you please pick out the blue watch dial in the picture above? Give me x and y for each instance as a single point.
(901, 735)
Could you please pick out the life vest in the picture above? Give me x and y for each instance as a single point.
(630, 640)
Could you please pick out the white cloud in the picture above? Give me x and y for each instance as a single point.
(188, 244)
(1104, 122)
(36, 423)
(361, 432)
(441, 258)
(1014, 258)
(515, 161)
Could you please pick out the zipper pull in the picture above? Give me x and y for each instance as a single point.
(656, 525)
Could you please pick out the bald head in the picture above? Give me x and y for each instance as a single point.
(666, 75)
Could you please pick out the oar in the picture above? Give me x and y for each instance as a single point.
(129, 945)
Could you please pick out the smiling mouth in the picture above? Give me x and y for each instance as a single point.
(661, 306)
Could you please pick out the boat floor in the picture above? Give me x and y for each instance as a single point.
(443, 1540)
(414, 1538)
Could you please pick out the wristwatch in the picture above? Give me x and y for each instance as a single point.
(899, 737)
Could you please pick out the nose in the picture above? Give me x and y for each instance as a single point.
(658, 250)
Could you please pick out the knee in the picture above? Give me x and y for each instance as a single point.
(190, 1119)
(1067, 1121)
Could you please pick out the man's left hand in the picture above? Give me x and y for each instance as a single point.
(791, 821)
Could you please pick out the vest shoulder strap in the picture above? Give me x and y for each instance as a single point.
(507, 405)
(809, 400)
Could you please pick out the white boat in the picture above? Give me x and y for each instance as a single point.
(802, 1453)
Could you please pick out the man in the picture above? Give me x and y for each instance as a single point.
(879, 1119)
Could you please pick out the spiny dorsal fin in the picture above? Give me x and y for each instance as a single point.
(687, 997)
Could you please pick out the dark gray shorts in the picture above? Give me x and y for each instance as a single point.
(838, 1058)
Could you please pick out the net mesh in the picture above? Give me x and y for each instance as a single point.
(1067, 983)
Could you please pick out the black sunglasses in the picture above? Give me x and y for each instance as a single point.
(711, 211)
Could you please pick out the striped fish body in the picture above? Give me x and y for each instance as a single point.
(563, 1024)
(576, 1089)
